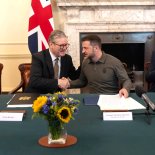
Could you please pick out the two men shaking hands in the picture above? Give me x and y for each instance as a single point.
(64, 83)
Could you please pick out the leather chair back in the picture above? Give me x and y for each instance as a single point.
(25, 73)
(24, 69)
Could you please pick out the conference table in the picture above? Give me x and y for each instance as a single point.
(94, 136)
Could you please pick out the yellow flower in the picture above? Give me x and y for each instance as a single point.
(62, 93)
(64, 114)
(38, 103)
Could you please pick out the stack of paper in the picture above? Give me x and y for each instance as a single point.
(116, 103)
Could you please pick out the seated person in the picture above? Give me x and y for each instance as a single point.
(150, 75)
(43, 77)
(101, 72)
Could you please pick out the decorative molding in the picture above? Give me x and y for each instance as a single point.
(6, 90)
(14, 56)
(75, 3)
(12, 43)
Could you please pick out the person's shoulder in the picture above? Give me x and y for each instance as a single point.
(67, 57)
(113, 61)
(112, 58)
(41, 53)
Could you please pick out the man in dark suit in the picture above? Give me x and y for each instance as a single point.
(150, 75)
(42, 77)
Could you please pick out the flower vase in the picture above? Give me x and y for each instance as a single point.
(57, 135)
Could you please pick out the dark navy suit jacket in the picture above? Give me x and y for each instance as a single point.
(42, 73)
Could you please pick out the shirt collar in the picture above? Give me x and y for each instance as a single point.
(101, 60)
(53, 56)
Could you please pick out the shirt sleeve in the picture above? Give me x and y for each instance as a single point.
(123, 77)
(80, 82)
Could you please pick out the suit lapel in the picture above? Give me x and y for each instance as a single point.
(50, 64)
(48, 60)
(62, 70)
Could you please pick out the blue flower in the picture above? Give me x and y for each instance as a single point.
(76, 110)
(45, 109)
(54, 103)
(60, 97)
(49, 101)
(74, 102)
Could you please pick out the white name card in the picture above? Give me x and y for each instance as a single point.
(117, 116)
(8, 116)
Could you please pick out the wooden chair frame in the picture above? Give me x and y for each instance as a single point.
(25, 75)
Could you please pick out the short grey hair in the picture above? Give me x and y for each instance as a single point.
(56, 34)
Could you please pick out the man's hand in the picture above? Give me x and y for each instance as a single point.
(123, 92)
(63, 83)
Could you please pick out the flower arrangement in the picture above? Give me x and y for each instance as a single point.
(57, 109)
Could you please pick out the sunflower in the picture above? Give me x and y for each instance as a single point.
(38, 103)
(64, 114)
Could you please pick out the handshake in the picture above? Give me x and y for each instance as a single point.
(63, 83)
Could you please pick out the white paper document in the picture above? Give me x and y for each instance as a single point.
(8, 116)
(116, 103)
